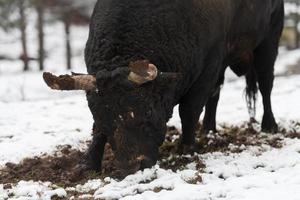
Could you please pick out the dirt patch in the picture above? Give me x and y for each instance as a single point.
(293, 69)
(55, 168)
(58, 168)
(233, 139)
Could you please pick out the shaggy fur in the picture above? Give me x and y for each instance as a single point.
(196, 38)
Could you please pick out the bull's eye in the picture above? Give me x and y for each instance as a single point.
(148, 113)
(121, 117)
(148, 131)
(131, 114)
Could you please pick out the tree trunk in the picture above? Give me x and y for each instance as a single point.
(23, 25)
(68, 42)
(41, 35)
(297, 20)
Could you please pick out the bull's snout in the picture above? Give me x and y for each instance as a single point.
(145, 162)
(125, 168)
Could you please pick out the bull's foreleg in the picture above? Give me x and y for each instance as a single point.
(189, 112)
(209, 121)
(92, 159)
(95, 153)
(191, 105)
(190, 108)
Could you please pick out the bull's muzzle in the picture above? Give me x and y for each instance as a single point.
(126, 168)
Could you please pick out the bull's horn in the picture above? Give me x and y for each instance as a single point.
(142, 71)
(70, 82)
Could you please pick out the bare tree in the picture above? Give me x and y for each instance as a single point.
(71, 12)
(67, 24)
(9, 20)
(39, 4)
(23, 25)
(294, 15)
(297, 20)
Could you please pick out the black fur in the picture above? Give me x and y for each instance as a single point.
(197, 38)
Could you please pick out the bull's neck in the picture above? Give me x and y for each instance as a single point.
(127, 30)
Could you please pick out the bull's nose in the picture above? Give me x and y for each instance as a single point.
(145, 162)
(126, 168)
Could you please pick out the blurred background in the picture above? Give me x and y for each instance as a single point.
(50, 35)
(38, 34)
(35, 34)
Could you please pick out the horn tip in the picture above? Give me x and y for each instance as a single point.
(49, 79)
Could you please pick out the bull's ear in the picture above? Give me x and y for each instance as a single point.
(168, 80)
(169, 76)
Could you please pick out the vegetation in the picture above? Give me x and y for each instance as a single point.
(13, 15)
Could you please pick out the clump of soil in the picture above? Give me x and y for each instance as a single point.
(60, 168)
(228, 139)
(55, 168)
(170, 153)
(293, 69)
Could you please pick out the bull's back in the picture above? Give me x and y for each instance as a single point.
(174, 33)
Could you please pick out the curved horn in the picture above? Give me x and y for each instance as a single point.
(142, 72)
(70, 82)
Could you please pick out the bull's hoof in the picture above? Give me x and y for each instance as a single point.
(185, 149)
(87, 165)
(269, 125)
(208, 131)
(78, 171)
(81, 169)
(208, 127)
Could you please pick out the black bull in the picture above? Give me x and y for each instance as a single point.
(132, 43)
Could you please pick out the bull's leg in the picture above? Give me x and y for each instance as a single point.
(191, 105)
(209, 121)
(190, 108)
(189, 112)
(264, 59)
(94, 154)
(92, 159)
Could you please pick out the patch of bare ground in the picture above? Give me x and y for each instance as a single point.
(228, 139)
(59, 168)
(291, 70)
(54, 168)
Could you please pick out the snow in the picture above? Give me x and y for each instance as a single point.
(286, 58)
(260, 174)
(35, 120)
(30, 190)
(27, 128)
(291, 8)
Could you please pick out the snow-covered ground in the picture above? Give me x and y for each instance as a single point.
(35, 120)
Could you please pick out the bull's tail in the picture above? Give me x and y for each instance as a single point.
(251, 92)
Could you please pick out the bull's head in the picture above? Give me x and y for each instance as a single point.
(129, 107)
